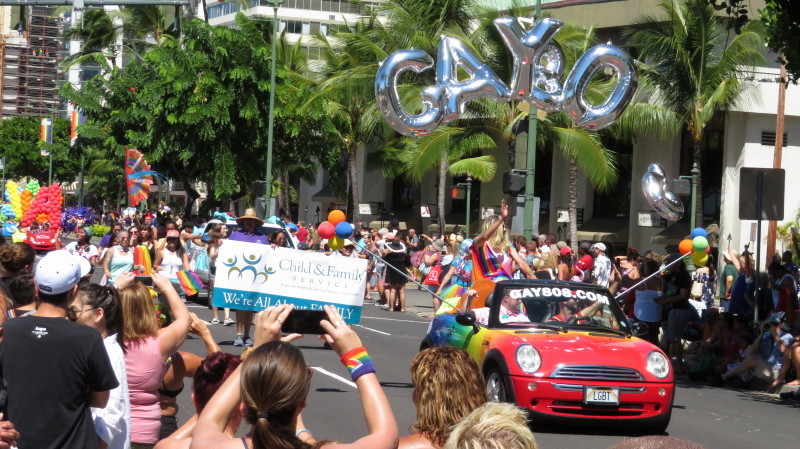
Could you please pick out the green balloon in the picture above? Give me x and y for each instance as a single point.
(699, 244)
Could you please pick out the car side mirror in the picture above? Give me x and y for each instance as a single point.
(467, 319)
(640, 329)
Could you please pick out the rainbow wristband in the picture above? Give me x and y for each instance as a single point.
(358, 362)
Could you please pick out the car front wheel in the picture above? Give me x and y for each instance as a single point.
(495, 386)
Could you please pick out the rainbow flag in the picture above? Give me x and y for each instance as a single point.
(141, 256)
(190, 282)
(356, 358)
(46, 134)
(76, 119)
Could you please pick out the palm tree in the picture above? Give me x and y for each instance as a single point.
(690, 63)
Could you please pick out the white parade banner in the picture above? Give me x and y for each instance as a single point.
(253, 277)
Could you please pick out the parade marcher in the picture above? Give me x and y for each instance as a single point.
(83, 248)
(492, 253)
(396, 256)
(250, 233)
(458, 278)
(646, 307)
(217, 235)
(119, 259)
(55, 369)
(172, 259)
(99, 307)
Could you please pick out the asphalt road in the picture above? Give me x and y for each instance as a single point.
(713, 417)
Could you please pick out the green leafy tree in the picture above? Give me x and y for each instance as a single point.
(22, 149)
(690, 65)
(198, 108)
(781, 18)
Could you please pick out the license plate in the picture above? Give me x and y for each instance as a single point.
(601, 395)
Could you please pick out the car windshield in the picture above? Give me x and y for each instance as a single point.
(560, 308)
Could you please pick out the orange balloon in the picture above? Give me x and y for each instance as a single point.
(685, 246)
(335, 217)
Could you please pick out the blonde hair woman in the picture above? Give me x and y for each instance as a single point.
(492, 426)
(492, 252)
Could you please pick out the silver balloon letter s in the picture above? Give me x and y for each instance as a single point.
(389, 100)
(656, 191)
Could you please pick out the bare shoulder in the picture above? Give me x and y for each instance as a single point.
(415, 441)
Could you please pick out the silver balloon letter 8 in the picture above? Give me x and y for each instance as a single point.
(656, 191)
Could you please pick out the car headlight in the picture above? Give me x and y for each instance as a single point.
(528, 358)
(658, 364)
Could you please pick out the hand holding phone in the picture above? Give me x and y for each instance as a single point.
(304, 321)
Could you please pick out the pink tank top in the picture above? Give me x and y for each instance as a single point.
(146, 371)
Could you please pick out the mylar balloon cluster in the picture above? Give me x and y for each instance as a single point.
(697, 246)
(46, 207)
(12, 196)
(657, 193)
(336, 229)
(536, 78)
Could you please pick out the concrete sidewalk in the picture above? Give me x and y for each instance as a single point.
(418, 302)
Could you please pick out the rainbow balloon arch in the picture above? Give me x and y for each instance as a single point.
(30, 203)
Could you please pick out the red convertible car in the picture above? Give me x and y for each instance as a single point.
(563, 350)
(43, 240)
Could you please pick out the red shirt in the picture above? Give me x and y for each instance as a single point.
(585, 263)
(302, 235)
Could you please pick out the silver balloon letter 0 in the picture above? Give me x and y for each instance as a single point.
(536, 78)
(656, 191)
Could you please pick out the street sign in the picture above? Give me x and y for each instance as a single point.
(365, 209)
(425, 211)
(771, 193)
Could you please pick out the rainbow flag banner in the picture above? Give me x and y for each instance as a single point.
(46, 135)
(253, 277)
(76, 118)
(141, 257)
(190, 282)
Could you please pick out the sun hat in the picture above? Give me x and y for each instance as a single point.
(59, 271)
(438, 245)
(249, 214)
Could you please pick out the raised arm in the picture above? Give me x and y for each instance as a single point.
(381, 424)
(489, 232)
(521, 263)
(106, 260)
(172, 337)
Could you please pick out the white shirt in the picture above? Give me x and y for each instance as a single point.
(113, 423)
(87, 253)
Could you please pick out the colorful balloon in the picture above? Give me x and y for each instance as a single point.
(700, 259)
(699, 232)
(699, 244)
(335, 243)
(336, 216)
(344, 230)
(656, 192)
(326, 230)
(685, 246)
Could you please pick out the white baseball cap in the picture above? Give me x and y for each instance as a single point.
(599, 245)
(59, 271)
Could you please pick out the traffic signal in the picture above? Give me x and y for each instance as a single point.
(457, 193)
(513, 183)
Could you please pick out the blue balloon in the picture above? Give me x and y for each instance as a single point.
(344, 230)
(699, 232)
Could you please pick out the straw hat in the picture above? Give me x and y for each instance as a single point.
(249, 214)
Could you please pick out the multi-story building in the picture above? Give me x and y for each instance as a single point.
(29, 68)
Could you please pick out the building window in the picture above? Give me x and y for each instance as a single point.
(293, 26)
(306, 28)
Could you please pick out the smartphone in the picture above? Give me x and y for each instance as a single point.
(304, 321)
(146, 280)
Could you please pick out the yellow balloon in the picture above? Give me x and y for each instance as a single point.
(335, 243)
(700, 259)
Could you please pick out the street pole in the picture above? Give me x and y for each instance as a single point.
(777, 158)
(80, 182)
(268, 178)
(530, 160)
(694, 172)
(469, 203)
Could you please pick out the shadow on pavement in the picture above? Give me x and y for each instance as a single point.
(396, 385)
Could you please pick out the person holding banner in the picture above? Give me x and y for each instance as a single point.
(250, 233)
(273, 383)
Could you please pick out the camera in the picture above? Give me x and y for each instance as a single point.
(767, 326)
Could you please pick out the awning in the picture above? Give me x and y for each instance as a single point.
(603, 230)
(324, 194)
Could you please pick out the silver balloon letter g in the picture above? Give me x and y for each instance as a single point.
(536, 78)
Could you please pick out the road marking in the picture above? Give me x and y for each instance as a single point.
(393, 319)
(373, 330)
(335, 376)
(195, 306)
